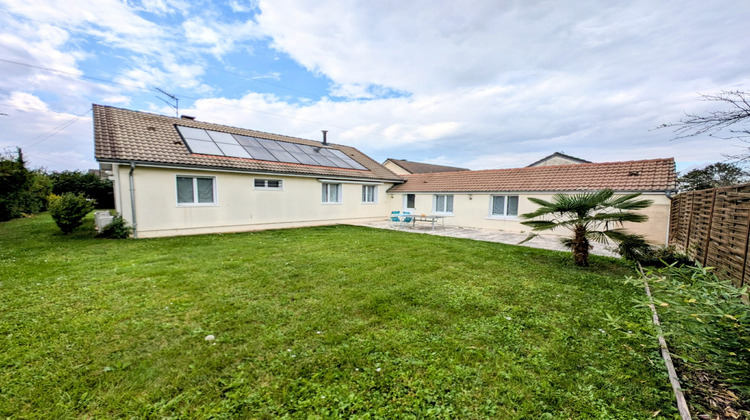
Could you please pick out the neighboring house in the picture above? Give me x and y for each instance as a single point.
(405, 167)
(558, 158)
(493, 199)
(177, 176)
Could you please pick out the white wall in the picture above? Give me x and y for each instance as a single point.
(473, 210)
(239, 206)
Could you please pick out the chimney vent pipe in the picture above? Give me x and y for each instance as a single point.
(325, 137)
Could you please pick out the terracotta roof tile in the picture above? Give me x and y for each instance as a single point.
(640, 175)
(122, 135)
(423, 168)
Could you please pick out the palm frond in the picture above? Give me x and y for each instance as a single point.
(620, 217)
(538, 225)
(627, 202)
(528, 238)
(598, 236)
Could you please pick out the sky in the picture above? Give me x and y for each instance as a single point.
(474, 84)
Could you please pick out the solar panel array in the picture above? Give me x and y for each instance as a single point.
(208, 142)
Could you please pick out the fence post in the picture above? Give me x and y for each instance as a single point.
(710, 225)
(744, 262)
(691, 213)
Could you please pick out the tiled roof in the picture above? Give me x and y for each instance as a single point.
(424, 168)
(639, 175)
(122, 135)
(573, 159)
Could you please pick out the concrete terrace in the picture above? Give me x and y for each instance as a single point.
(544, 241)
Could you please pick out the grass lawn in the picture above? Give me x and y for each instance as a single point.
(322, 322)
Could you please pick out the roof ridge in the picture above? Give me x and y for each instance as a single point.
(548, 167)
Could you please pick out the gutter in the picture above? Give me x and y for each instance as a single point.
(252, 171)
(132, 199)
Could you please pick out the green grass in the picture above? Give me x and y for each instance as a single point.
(321, 322)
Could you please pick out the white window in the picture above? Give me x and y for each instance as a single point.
(504, 205)
(443, 203)
(196, 190)
(331, 193)
(369, 194)
(410, 201)
(268, 184)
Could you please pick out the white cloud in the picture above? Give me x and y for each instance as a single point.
(476, 83)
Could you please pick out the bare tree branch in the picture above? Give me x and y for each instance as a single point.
(719, 124)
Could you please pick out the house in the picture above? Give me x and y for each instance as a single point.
(405, 167)
(493, 199)
(178, 176)
(558, 158)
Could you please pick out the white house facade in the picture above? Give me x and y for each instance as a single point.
(178, 176)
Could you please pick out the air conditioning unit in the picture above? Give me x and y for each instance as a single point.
(102, 219)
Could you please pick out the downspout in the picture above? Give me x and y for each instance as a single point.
(132, 200)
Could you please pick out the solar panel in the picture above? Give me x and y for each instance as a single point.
(203, 147)
(222, 137)
(247, 141)
(234, 150)
(217, 143)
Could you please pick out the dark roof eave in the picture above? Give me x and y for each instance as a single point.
(616, 190)
(244, 170)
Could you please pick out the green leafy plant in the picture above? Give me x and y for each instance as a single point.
(88, 184)
(68, 210)
(706, 322)
(117, 229)
(588, 216)
(636, 248)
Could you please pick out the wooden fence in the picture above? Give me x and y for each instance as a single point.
(713, 227)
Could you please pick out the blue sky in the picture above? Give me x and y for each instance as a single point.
(477, 84)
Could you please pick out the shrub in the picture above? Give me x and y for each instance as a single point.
(635, 248)
(117, 229)
(707, 323)
(68, 210)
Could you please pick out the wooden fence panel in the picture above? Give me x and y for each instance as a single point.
(713, 227)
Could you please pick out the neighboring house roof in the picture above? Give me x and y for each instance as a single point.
(559, 157)
(423, 168)
(125, 136)
(641, 175)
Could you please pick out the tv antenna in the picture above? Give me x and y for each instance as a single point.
(175, 106)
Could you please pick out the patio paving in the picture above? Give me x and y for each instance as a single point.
(491, 235)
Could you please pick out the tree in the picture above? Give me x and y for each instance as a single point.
(730, 123)
(588, 216)
(21, 191)
(712, 176)
(88, 184)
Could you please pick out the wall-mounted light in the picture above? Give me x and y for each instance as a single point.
(470, 197)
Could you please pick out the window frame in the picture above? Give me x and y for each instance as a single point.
(325, 194)
(374, 194)
(505, 215)
(195, 202)
(265, 183)
(447, 198)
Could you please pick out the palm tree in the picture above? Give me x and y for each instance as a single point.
(589, 216)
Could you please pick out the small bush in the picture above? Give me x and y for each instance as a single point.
(636, 248)
(118, 229)
(68, 210)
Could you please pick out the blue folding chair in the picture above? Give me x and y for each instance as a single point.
(405, 220)
(395, 218)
